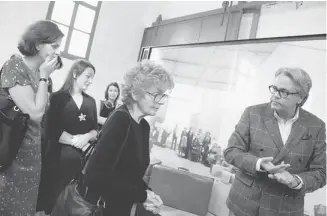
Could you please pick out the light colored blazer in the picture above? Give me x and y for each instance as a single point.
(257, 135)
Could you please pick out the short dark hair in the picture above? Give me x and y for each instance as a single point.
(106, 96)
(40, 32)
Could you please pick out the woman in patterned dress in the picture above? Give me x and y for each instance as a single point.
(24, 80)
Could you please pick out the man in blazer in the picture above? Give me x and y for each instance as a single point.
(280, 150)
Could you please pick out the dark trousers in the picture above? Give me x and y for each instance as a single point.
(173, 143)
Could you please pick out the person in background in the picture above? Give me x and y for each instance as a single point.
(174, 139)
(213, 155)
(195, 152)
(111, 95)
(164, 136)
(71, 125)
(182, 142)
(189, 141)
(155, 133)
(44, 143)
(220, 156)
(43, 131)
(125, 139)
(205, 148)
(24, 79)
(271, 137)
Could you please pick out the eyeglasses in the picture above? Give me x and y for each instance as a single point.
(283, 93)
(158, 98)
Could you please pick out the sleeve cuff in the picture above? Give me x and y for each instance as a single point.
(300, 185)
(257, 166)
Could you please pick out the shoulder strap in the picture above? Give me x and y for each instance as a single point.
(90, 149)
(92, 145)
(100, 200)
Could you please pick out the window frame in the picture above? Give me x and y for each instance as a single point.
(70, 27)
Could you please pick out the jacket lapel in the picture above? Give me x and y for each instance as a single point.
(297, 131)
(272, 127)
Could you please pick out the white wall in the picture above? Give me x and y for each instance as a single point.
(14, 17)
(283, 19)
(297, 56)
(120, 29)
(116, 41)
(119, 35)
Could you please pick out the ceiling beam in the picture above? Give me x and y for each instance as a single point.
(237, 7)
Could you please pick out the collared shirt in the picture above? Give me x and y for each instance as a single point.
(285, 127)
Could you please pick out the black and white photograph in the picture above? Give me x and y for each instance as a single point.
(163, 108)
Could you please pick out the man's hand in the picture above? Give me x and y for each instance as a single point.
(285, 178)
(268, 166)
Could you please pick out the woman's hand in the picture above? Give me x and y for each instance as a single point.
(81, 141)
(48, 66)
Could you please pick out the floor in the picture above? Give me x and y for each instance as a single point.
(170, 158)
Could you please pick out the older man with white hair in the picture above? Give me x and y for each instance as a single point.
(280, 150)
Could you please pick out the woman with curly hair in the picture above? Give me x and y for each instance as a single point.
(116, 168)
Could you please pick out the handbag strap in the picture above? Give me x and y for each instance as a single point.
(91, 147)
(10, 103)
(87, 153)
(101, 202)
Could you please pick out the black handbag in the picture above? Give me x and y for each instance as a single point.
(13, 126)
(70, 202)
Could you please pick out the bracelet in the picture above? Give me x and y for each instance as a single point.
(43, 79)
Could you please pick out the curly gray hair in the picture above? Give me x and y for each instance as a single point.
(300, 78)
(144, 75)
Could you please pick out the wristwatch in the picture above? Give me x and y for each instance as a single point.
(298, 181)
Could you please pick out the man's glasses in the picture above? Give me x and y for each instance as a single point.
(283, 93)
(158, 98)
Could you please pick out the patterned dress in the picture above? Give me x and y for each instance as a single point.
(19, 183)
